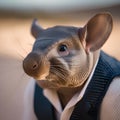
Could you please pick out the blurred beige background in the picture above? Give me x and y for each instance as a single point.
(16, 42)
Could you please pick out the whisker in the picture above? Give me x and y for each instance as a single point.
(22, 47)
(21, 56)
(59, 67)
(60, 73)
(56, 66)
(61, 76)
(74, 65)
(31, 44)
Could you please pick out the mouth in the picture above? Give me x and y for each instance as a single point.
(50, 80)
(48, 83)
(42, 77)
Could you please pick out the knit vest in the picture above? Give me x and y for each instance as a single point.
(88, 107)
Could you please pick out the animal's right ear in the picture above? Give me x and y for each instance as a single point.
(35, 29)
(95, 33)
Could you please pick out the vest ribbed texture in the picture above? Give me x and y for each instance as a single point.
(88, 107)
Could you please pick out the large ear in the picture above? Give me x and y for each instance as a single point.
(35, 28)
(97, 31)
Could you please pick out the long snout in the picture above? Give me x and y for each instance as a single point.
(36, 65)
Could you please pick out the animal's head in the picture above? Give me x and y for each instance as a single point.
(62, 56)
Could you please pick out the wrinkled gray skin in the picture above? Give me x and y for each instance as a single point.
(63, 56)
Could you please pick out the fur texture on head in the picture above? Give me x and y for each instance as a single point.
(63, 56)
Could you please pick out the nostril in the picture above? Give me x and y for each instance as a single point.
(35, 66)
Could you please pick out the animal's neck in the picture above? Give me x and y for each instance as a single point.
(65, 94)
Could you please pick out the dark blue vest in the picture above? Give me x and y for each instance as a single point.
(88, 107)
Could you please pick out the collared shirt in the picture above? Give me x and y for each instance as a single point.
(107, 112)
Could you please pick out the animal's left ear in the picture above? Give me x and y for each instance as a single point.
(35, 29)
(97, 31)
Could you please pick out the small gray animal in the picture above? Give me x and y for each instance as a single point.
(76, 77)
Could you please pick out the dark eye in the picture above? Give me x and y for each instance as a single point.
(63, 50)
